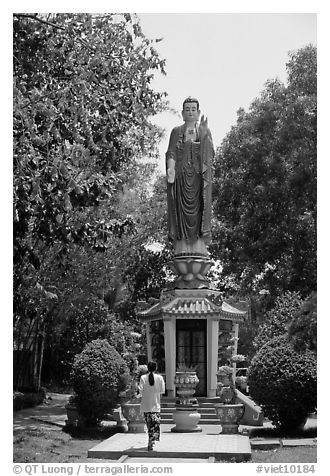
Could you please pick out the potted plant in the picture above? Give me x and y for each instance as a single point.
(227, 410)
(226, 389)
(130, 402)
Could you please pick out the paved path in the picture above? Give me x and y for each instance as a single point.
(201, 445)
(51, 412)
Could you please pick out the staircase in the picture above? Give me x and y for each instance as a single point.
(205, 408)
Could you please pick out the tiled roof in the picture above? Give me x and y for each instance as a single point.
(201, 306)
(232, 310)
(191, 306)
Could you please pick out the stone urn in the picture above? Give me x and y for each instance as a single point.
(186, 382)
(229, 416)
(228, 411)
(135, 418)
(74, 418)
(186, 416)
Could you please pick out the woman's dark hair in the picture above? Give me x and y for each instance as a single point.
(151, 368)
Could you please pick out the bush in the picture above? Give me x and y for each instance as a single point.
(99, 375)
(28, 399)
(283, 383)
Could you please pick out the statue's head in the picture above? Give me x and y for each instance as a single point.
(190, 109)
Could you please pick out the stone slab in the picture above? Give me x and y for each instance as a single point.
(265, 443)
(299, 442)
(174, 445)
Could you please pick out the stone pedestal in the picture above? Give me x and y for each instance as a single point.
(186, 419)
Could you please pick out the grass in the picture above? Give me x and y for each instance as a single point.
(52, 445)
(298, 454)
(278, 433)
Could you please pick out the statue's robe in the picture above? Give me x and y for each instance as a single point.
(189, 198)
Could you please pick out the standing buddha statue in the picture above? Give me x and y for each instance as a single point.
(189, 194)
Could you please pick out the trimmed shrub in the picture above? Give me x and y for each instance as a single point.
(99, 375)
(283, 383)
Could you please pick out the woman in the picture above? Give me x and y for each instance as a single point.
(151, 386)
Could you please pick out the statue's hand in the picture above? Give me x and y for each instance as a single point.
(170, 175)
(203, 127)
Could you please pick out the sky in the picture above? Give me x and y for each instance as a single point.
(223, 59)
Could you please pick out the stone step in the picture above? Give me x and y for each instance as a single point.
(169, 411)
(200, 404)
(208, 416)
(200, 400)
(202, 421)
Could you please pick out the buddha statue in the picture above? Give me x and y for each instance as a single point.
(189, 175)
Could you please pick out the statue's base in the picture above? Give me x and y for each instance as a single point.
(191, 271)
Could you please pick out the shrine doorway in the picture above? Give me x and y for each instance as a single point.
(191, 349)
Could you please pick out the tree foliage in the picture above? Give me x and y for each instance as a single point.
(302, 330)
(142, 269)
(265, 187)
(82, 103)
(278, 319)
(293, 318)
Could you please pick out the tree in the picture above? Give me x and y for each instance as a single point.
(265, 187)
(278, 319)
(302, 331)
(144, 268)
(82, 99)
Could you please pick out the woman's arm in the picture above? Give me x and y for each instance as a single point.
(141, 385)
(162, 385)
